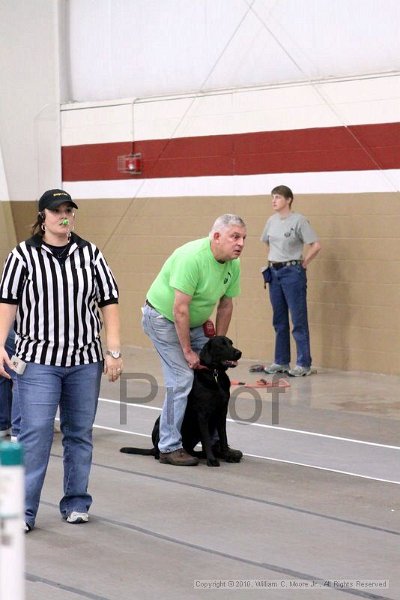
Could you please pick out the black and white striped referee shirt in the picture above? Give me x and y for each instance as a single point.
(58, 321)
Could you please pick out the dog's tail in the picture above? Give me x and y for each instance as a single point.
(141, 451)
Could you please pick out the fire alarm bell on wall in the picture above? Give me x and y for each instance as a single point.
(130, 163)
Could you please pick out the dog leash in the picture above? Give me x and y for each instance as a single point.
(262, 383)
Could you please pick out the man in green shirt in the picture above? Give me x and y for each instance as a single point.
(196, 278)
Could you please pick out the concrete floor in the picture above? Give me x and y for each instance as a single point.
(313, 510)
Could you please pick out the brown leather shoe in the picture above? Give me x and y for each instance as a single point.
(179, 458)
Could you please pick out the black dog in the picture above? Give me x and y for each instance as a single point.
(207, 406)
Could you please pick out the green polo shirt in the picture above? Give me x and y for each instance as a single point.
(193, 270)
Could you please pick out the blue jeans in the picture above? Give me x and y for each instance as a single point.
(288, 293)
(178, 376)
(6, 387)
(41, 389)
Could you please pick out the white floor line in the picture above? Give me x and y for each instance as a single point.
(312, 433)
(323, 435)
(146, 435)
(290, 462)
(130, 404)
(269, 458)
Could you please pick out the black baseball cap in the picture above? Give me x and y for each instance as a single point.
(53, 198)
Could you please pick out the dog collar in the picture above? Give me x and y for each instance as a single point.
(215, 372)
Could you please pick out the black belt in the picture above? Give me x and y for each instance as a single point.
(288, 263)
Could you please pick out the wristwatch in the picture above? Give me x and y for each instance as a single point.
(114, 353)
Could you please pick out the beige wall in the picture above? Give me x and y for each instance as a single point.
(7, 230)
(354, 284)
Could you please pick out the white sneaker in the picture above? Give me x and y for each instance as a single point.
(77, 517)
(27, 528)
(275, 368)
(300, 371)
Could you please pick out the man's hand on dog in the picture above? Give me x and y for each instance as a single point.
(192, 359)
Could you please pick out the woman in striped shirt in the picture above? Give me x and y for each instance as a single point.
(58, 290)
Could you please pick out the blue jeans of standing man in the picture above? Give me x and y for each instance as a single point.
(41, 389)
(6, 387)
(288, 294)
(178, 376)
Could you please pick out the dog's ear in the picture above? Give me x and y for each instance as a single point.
(206, 354)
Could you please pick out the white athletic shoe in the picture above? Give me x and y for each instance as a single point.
(300, 371)
(77, 517)
(275, 368)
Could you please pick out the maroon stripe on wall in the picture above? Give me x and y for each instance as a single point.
(355, 148)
